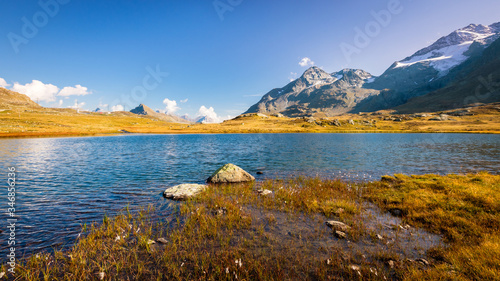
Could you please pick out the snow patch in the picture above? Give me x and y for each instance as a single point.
(442, 59)
(370, 80)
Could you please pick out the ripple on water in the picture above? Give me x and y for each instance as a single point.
(64, 183)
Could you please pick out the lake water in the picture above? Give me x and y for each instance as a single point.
(63, 183)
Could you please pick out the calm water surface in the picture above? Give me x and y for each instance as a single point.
(66, 182)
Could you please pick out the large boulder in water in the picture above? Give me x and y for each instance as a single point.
(230, 173)
(183, 191)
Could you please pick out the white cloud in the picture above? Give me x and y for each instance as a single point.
(78, 90)
(76, 105)
(3, 83)
(40, 91)
(210, 116)
(61, 103)
(306, 62)
(171, 106)
(117, 107)
(184, 101)
(37, 90)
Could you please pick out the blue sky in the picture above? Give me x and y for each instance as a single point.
(117, 53)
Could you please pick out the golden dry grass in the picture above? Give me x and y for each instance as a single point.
(465, 209)
(231, 232)
(33, 122)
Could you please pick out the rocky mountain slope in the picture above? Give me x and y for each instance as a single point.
(477, 80)
(317, 92)
(429, 69)
(349, 91)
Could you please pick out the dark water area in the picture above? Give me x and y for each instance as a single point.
(63, 183)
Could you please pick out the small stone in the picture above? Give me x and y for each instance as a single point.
(396, 212)
(379, 237)
(264, 192)
(336, 122)
(337, 225)
(355, 268)
(339, 211)
(391, 263)
(422, 261)
(340, 234)
(101, 275)
(260, 173)
(117, 238)
(183, 191)
(162, 241)
(2, 274)
(328, 261)
(150, 242)
(220, 211)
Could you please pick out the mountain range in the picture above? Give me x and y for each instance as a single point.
(441, 76)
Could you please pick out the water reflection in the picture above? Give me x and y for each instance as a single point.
(66, 182)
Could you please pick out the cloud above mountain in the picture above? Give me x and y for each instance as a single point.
(304, 62)
(208, 115)
(170, 106)
(3, 83)
(39, 91)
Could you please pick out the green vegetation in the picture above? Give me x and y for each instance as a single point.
(233, 232)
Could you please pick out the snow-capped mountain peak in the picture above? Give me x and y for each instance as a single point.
(450, 51)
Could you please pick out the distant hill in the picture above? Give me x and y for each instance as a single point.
(147, 111)
(10, 99)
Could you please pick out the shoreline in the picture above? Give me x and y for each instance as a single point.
(73, 135)
(51, 122)
(262, 232)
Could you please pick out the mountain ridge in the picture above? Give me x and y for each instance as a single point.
(433, 67)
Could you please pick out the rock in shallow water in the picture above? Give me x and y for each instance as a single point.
(183, 191)
(337, 225)
(230, 173)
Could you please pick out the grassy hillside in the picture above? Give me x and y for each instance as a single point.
(23, 122)
(10, 99)
(21, 117)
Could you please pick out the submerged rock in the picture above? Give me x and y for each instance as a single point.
(183, 191)
(230, 173)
